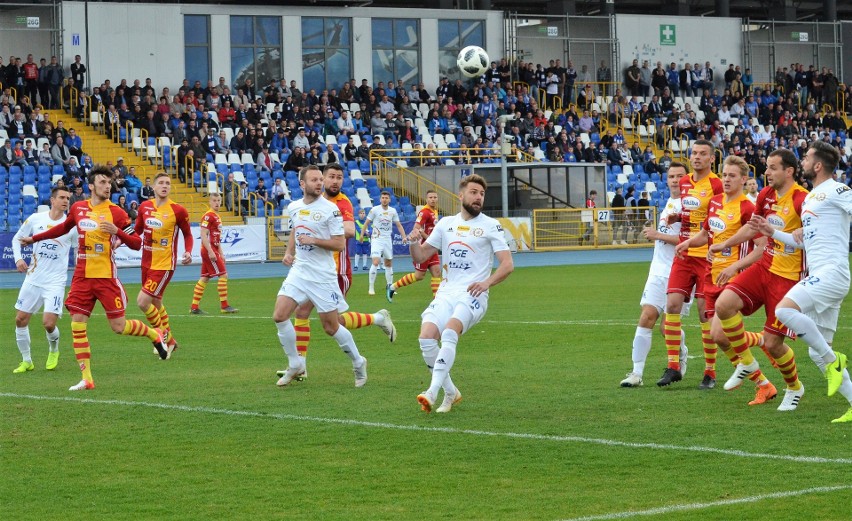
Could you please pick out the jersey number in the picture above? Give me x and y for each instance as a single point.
(150, 285)
(118, 303)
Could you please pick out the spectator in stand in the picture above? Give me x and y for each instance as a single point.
(673, 76)
(276, 193)
(264, 160)
(61, 154)
(147, 191)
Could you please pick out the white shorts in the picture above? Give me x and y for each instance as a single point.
(381, 249)
(819, 296)
(465, 308)
(325, 296)
(31, 298)
(654, 294)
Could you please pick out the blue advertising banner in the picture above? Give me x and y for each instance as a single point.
(7, 261)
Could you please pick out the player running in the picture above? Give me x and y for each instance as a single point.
(727, 214)
(687, 275)
(766, 282)
(665, 237)
(468, 242)
(382, 218)
(101, 226)
(316, 230)
(333, 181)
(158, 222)
(826, 215)
(423, 226)
(44, 284)
(212, 258)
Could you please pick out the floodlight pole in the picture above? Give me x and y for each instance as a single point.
(504, 170)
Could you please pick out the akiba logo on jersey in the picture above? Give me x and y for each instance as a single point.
(87, 225)
(716, 224)
(153, 223)
(691, 203)
(776, 221)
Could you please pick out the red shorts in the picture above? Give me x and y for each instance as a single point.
(711, 293)
(209, 269)
(84, 292)
(757, 286)
(688, 273)
(434, 260)
(345, 282)
(154, 282)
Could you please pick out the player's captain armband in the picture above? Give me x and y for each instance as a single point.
(129, 229)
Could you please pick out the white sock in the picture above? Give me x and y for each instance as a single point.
(683, 339)
(378, 319)
(389, 274)
(22, 336)
(347, 344)
(53, 339)
(807, 331)
(287, 337)
(446, 358)
(641, 348)
(373, 270)
(429, 349)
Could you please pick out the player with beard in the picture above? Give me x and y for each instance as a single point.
(468, 243)
(333, 181)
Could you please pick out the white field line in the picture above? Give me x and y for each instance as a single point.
(444, 430)
(710, 504)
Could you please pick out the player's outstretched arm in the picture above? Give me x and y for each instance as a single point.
(290, 252)
(754, 256)
(421, 252)
(744, 234)
(51, 233)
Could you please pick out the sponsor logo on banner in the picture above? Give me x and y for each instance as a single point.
(516, 230)
(239, 243)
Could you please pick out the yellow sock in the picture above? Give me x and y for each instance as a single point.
(435, 283)
(787, 366)
(709, 350)
(303, 335)
(82, 351)
(671, 332)
(198, 293)
(735, 331)
(222, 287)
(138, 328)
(153, 315)
(164, 318)
(407, 280)
(352, 320)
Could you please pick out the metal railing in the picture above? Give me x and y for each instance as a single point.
(406, 182)
(563, 229)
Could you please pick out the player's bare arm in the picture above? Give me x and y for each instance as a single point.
(754, 256)
(699, 239)
(744, 234)
(504, 269)
(349, 229)
(422, 252)
(206, 246)
(401, 231)
(365, 227)
(290, 252)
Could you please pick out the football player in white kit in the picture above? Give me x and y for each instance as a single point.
(468, 243)
(811, 308)
(46, 278)
(382, 218)
(316, 232)
(653, 302)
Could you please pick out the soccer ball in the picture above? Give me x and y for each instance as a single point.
(472, 61)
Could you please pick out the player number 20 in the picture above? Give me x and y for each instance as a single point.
(150, 285)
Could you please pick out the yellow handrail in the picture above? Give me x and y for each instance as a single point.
(188, 168)
(102, 118)
(143, 136)
(406, 182)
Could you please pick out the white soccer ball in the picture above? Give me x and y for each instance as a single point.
(472, 61)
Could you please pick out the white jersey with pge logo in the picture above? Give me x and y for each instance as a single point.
(467, 249)
(382, 222)
(826, 213)
(49, 265)
(320, 219)
(664, 253)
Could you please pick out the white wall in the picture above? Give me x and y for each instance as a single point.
(146, 40)
(699, 39)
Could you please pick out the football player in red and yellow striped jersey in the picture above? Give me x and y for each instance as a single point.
(766, 282)
(158, 222)
(423, 226)
(727, 214)
(212, 258)
(688, 272)
(102, 227)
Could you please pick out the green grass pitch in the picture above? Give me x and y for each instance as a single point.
(544, 431)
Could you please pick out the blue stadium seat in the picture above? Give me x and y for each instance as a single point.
(15, 172)
(58, 170)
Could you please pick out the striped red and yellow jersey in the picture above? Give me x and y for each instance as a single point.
(211, 222)
(724, 220)
(96, 248)
(159, 227)
(341, 258)
(783, 213)
(695, 198)
(426, 218)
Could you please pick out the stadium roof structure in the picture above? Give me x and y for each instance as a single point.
(810, 10)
